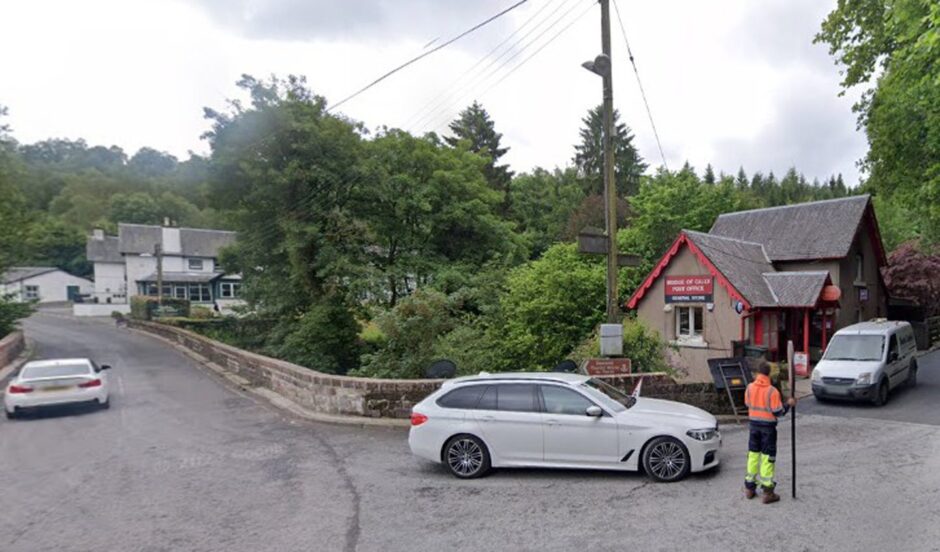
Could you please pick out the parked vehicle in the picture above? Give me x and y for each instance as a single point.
(867, 361)
(45, 383)
(555, 420)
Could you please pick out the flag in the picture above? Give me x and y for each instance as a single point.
(636, 390)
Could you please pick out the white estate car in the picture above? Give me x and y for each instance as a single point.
(559, 420)
(55, 382)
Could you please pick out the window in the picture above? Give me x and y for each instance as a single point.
(559, 400)
(179, 292)
(199, 293)
(689, 323)
(893, 346)
(462, 397)
(516, 397)
(195, 264)
(488, 400)
(32, 292)
(859, 268)
(229, 290)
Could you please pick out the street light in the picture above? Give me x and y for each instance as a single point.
(600, 65)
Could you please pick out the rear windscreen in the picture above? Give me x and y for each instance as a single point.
(57, 371)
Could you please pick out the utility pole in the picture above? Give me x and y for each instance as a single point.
(158, 253)
(610, 186)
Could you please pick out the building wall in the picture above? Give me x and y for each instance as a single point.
(138, 267)
(852, 309)
(721, 325)
(53, 286)
(110, 282)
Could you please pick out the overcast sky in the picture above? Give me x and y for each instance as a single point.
(730, 82)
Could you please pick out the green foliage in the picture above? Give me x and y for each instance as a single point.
(896, 43)
(542, 203)
(474, 130)
(148, 308)
(643, 346)
(323, 338)
(589, 156)
(53, 242)
(10, 312)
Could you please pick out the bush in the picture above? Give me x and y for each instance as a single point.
(201, 313)
(325, 338)
(644, 347)
(10, 312)
(146, 307)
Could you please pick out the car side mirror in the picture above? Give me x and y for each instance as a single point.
(105, 366)
(594, 411)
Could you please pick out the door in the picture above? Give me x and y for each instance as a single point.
(895, 365)
(72, 293)
(571, 436)
(511, 423)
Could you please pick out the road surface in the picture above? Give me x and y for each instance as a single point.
(183, 462)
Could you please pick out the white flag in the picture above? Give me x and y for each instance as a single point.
(636, 390)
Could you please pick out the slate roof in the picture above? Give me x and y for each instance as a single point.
(183, 277)
(17, 273)
(103, 251)
(743, 263)
(795, 289)
(816, 230)
(195, 242)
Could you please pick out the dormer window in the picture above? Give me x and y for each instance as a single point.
(195, 264)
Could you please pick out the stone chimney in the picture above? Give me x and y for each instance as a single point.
(98, 234)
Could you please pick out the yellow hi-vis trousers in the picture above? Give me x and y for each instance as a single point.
(760, 470)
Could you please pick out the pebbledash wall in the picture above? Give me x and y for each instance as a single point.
(380, 398)
(10, 347)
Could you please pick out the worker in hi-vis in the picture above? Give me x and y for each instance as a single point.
(765, 405)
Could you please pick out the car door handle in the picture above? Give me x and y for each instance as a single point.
(551, 421)
(488, 418)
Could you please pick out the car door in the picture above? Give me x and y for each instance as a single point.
(894, 364)
(511, 423)
(571, 436)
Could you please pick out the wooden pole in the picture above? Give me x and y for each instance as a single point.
(792, 376)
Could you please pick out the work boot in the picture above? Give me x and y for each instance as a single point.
(749, 493)
(770, 496)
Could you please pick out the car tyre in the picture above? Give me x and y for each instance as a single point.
(912, 374)
(466, 457)
(10, 415)
(106, 404)
(881, 396)
(665, 459)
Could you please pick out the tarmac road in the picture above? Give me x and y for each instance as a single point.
(183, 462)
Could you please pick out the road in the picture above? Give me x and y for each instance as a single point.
(182, 461)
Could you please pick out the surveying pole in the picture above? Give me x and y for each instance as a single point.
(792, 377)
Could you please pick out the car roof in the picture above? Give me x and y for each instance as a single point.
(56, 362)
(545, 377)
(873, 327)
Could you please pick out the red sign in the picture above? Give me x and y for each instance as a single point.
(607, 366)
(689, 289)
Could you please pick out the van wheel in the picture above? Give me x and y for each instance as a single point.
(912, 374)
(881, 397)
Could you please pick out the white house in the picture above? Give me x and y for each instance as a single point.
(47, 284)
(127, 264)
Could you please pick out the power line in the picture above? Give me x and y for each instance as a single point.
(435, 101)
(649, 113)
(425, 54)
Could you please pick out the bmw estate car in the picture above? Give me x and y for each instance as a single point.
(45, 383)
(553, 420)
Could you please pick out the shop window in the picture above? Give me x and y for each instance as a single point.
(689, 324)
(32, 292)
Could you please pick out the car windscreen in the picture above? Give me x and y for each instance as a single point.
(613, 398)
(55, 371)
(855, 347)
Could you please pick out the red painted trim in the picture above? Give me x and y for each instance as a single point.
(806, 334)
(759, 329)
(667, 258)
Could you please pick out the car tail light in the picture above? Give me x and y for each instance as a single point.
(19, 389)
(91, 383)
(418, 418)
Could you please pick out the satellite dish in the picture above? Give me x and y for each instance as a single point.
(441, 369)
(566, 366)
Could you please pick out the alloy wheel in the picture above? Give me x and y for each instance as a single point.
(465, 457)
(667, 460)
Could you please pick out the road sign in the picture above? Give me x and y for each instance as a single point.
(593, 241)
(607, 366)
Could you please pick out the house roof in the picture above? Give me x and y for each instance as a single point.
(816, 230)
(103, 251)
(183, 277)
(194, 242)
(795, 289)
(743, 263)
(18, 273)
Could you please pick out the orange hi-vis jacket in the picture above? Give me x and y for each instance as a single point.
(763, 401)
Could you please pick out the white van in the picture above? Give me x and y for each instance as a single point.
(866, 361)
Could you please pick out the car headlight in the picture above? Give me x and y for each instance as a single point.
(864, 378)
(817, 375)
(702, 434)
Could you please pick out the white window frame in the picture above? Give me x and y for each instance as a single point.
(31, 292)
(189, 264)
(696, 336)
(231, 287)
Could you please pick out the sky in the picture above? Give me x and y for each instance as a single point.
(733, 83)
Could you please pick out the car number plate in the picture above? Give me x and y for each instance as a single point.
(838, 391)
(54, 388)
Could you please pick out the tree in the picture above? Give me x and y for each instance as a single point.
(152, 163)
(53, 242)
(896, 43)
(134, 208)
(13, 218)
(474, 128)
(709, 177)
(589, 155)
(905, 276)
(542, 204)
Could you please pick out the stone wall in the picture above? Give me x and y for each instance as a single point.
(386, 398)
(10, 347)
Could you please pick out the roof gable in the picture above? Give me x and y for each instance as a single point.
(106, 250)
(816, 230)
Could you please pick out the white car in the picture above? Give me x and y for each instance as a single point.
(56, 382)
(558, 420)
